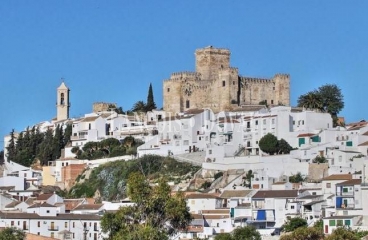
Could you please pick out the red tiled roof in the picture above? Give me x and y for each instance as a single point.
(350, 182)
(338, 177)
(306, 135)
(276, 194)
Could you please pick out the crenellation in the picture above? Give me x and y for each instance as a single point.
(215, 84)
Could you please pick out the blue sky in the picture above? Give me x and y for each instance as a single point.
(111, 50)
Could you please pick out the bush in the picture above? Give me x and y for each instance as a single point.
(218, 175)
(206, 185)
(294, 223)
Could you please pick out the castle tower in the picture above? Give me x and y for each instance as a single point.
(210, 60)
(62, 102)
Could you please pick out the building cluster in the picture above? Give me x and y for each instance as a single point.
(211, 118)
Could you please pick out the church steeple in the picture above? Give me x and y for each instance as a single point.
(62, 102)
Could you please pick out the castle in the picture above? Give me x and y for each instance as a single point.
(218, 86)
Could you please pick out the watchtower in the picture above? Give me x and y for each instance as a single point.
(210, 60)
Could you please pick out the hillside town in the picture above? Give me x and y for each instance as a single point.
(258, 160)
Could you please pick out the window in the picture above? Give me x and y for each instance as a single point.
(347, 222)
(339, 222)
(47, 211)
(186, 142)
(264, 121)
(187, 104)
(38, 224)
(273, 121)
(95, 226)
(332, 223)
(168, 89)
(293, 122)
(292, 207)
(62, 99)
(38, 233)
(12, 223)
(210, 151)
(328, 185)
(233, 82)
(66, 224)
(273, 88)
(256, 122)
(52, 234)
(271, 101)
(73, 224)
(223, 83)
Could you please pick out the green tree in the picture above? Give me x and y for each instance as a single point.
(342, 233)
(311, 100)
(327, 98)
(296, 178)
(248, 178)
(283, 147)
(156, 214)
(294, 223)
(57, 142)
(248, 232)
(320, 159)
(45, 149)
(139, 106)
(12, 234)
(67, 134)
(1, 157)
(119, 110)
(304, 233)
(11, 148)
(150, 101)
(224, 236)
(268, 144)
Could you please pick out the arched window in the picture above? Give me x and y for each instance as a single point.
(62, 98)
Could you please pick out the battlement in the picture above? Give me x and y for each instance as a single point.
(212, 50)
(282, 75)
(183, 75)
(256, 80)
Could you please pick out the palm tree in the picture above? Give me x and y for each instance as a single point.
(311, 100)
(139, 106)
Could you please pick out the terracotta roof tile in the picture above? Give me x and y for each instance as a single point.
(235, 193)
(88, 207)
(338, 177)
(276, 194)
(350, 182)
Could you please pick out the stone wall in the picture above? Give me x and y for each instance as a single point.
(218, 86)
(103, 106)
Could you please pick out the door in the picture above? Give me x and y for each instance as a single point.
(326, 228)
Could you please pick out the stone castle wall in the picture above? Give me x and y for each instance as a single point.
(103, 106)
(218, 86)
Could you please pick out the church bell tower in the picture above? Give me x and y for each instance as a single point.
(62, 102)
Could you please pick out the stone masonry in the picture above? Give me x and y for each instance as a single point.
(218, 86)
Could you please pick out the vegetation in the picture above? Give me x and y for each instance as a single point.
(110, 179)
(327, 98)
(304, 233)
(109, 147)
(270, 145)
(155, 216)
(141, 106)
(296, 178)
(294, 223)
(248, 179)
(32, 144)
(1, 157)
(218, 175)
(150, 101)
(206, 185)
(320, 159)
(240, 233)
(12, 234)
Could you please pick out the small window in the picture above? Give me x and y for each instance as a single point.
(66, 224)
(223, 83)
(339, 222)
(332, 223)
(233, 82)
(273, 88)
(210, 151)
(73, 224)
(187, 104)
(328, 185)
(264, 121)
(256, 122)
(292, 207)
(168, 89)
(38, 224)
(271, 101)
(47, 211)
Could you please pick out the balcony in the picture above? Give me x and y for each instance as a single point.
(53, 228)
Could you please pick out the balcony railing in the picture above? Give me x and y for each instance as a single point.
(53, 228)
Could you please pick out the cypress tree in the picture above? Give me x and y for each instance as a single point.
(11, 147)
(150, 105)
